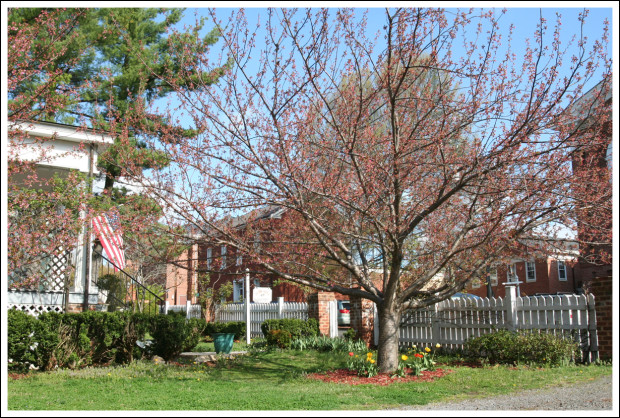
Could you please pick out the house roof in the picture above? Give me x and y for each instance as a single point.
(580, 109)
(62, 132)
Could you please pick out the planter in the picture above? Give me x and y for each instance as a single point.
(223, 342)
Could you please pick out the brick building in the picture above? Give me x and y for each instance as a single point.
(548, 275)
(592, 168)
(226, 266)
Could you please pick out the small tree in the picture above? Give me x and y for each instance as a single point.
(405, 192)
(209, 296)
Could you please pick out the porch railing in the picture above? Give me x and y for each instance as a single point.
(121, 290)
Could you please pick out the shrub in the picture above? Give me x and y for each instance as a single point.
(508, 347)
(237, 328)
(196, 329)
(172, 334)
(74, 340)
(20, 340)
(350, 334)
(279, 337)
(296, 327)
(47, 335)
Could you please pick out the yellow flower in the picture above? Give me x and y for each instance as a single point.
(437, 345)
(372, 361)
(369, 355)
(428, 350)
(404, 358)
(414, 347)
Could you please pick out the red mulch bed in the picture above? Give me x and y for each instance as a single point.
(350, 377)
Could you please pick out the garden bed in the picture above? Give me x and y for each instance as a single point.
(350, 377)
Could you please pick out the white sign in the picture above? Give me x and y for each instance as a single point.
(261, 295)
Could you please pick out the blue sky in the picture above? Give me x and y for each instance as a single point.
(524, 19)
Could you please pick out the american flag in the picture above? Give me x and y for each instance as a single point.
(108, 228)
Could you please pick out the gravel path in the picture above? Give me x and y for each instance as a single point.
(592, 395)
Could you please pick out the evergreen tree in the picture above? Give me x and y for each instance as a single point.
(111, 60)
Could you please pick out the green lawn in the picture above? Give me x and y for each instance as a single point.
(264, 381)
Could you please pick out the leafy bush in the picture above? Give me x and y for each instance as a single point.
(196, 328)
(20, 340)
(296, 327)
(74, 340)
(47, 335)
(508, 347)
(350, 334)
(171, 335)
(279, 337)
(237, 328)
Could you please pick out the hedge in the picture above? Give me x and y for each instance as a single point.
(94, 338)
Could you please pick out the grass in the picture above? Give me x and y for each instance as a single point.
(265, 381)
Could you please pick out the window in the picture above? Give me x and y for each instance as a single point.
(209, 257)
(257, 242)
(238, 291)
(562, 271)
(223, 250)
(493, 277)
(512, 273)
(530, 270)
(239, 259)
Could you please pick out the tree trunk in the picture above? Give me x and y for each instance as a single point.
(389, 324)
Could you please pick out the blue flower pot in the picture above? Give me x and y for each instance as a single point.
(223, 342)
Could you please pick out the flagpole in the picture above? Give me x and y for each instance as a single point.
(87, 237)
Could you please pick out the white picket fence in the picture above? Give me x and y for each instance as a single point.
(260, 312)
(452, 322)
(191, 311)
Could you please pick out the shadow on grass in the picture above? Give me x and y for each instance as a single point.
(281, 366)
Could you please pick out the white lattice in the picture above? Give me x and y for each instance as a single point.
(36, 310)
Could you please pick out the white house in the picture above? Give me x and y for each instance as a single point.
(57, 149)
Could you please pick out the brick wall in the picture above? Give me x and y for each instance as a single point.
(601, 288)
(547, 280)
(318, 308)
(362, 318)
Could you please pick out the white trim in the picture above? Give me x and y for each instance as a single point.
(62, 132)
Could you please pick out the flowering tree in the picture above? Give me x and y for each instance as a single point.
(43, 210)
(404, 168)
(74, 66)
